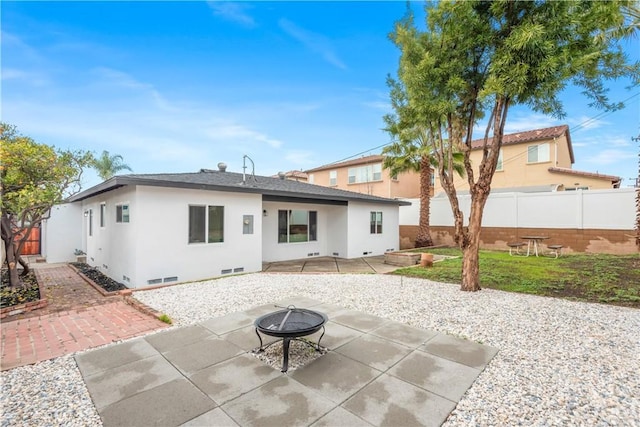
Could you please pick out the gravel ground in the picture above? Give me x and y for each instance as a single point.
(560, 362)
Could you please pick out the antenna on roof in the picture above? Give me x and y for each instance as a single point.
(244, 169)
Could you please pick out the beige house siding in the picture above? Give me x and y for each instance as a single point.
(518, 172)
(407, 185)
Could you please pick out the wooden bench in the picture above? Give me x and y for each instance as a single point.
(555, 250)
(516, 246)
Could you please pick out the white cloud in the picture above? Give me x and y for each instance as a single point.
(234, 12)
(315, 42)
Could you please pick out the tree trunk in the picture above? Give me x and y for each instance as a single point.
(423, 238)
(9, 246)
(471, 241)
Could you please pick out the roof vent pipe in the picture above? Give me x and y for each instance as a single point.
(222, 166)
(282, 175)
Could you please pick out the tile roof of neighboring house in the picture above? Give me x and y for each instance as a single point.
(532, 135)
(375, 158)
(292, 174)
(214, 180)
(602, 176)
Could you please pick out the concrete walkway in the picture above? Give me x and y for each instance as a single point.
(377, 372)
(372, 264)
(76, 318)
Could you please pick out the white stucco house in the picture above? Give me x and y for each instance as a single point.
(144, 230)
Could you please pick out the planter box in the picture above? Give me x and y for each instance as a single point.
(402, 259)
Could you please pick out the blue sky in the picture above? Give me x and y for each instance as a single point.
(179, 86)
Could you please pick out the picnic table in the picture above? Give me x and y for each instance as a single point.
(534, 241)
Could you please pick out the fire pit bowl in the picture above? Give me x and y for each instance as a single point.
(290, 323)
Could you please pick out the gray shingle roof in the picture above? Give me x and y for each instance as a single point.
(233, 182)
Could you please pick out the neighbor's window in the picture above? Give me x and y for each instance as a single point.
(206, 224)
(103, 212)
(310, 178)
(499, 165)
(122, 213)
(333, 178)
(366, 173)
(538, 153)
(297, 226)
(376, 222)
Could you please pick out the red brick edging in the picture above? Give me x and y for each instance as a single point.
(100, 289)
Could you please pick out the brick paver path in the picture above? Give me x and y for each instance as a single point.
(78, 317)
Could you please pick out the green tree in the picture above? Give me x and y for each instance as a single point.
(33, 178)
(411, 150)
(108, 165)
(476, 60)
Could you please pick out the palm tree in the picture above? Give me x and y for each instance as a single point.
(107, 165)
(411, 150)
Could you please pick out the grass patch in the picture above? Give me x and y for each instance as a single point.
(165, 318)
(609, 279)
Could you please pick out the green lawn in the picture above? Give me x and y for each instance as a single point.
(610, 279)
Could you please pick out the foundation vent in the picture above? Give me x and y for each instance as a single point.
(336, 254)
(170, 279)
(226, 271)
(154, 281)
(238, 270)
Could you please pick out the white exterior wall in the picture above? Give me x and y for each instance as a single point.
(361, 241)
(62, 233)
(162, 225)
(112, 248)
(332, 235)
(612, 209)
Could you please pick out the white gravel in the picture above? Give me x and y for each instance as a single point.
(560, 362)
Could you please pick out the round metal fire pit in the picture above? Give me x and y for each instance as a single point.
(290, 323)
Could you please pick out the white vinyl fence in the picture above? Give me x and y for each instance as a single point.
(612, 209)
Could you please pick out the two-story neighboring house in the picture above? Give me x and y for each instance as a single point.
(537, 160)
(367, 176)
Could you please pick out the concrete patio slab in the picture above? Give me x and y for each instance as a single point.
(178, 338)
(335, 335)
(335, 376)
(388, 401)
(360, 321)
(440, 376)
(384, 373)
(232, 378)
(93, 362)
(124, 381)
(169, 404)
(228, 323)
(375, 352)
(246, 338)
(281, 402)
(216, 417)
(341, 417)
(196, 356)
(462, 351)
(404, 334)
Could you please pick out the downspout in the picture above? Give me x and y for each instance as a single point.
(555, 141)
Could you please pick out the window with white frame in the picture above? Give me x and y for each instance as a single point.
(206, 224)
(310, 178)
(333, 178)
(366, 173)
(296, 225)
(538, 153)
(499, 165)
(376, 222)
(122, 213)
(103, 212)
